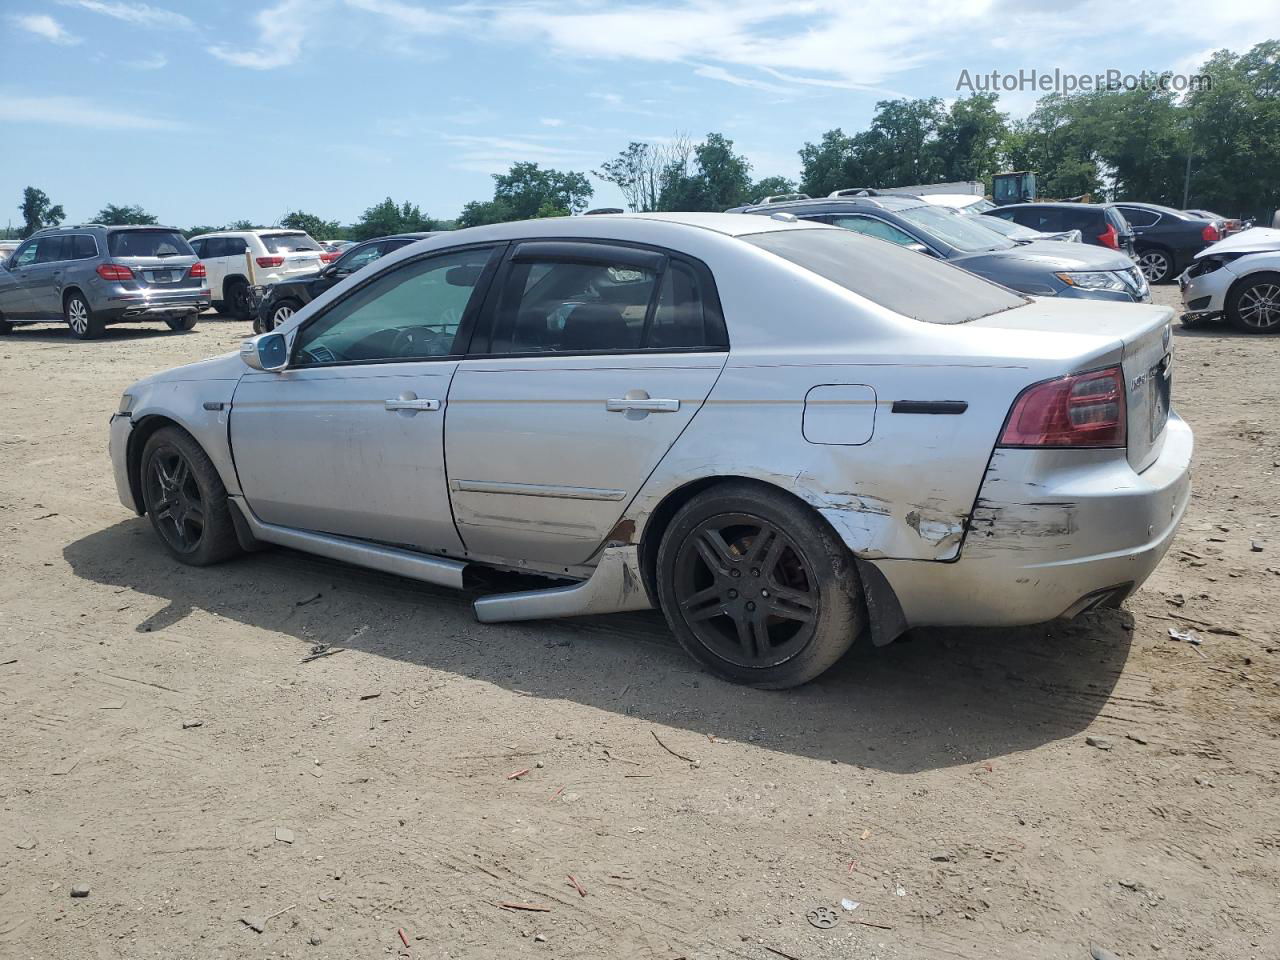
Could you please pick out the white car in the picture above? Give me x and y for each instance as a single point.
(783, 434)
(236, 261)
(1237, 280)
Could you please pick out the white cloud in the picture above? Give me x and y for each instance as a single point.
(157, 61)
(139, 14)
(409, 17)
(720, 73)
(78, 112)
(43, 25)
(552, 122)
(281, 30)
(497, 154)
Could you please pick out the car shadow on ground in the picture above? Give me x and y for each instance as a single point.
(938, 698)
(54, 333)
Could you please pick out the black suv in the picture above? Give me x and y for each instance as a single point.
(282, 300)
(1168, 239)
(1101, 224)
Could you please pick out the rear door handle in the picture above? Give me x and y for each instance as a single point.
(409, 403)
(647, 405)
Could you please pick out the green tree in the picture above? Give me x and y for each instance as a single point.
(969, 139)
(38, 211)
(823, 164)
(710, 176)
(113, 215)
(198, 231)
(771, 187)
(315, 227)
(1234, 133)
(243, 225)
(1051, 143)
(636, 172)
(386, 218)
(527, 191)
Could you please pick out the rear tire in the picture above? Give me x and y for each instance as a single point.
(185, 322)
(237, 302)
(1254, 305)
(1156, 265)
(757, 588)
(80, 319)
(185, 499)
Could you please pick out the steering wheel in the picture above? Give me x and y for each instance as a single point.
(420, 342)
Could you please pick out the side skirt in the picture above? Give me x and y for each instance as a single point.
(404, 563)
(615, 586)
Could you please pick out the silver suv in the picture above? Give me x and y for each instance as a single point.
(91, 275)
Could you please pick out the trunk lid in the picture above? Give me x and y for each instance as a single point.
(301, 253)
(161, 259)
(1144, 338)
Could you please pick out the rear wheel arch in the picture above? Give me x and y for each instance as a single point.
(660, 517)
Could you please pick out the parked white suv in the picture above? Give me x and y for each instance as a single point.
(238, 260)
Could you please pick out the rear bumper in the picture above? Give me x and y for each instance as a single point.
(135, 305)
(1051, 537)
(118, 447)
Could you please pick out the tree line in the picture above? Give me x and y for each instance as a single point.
(1215, 147)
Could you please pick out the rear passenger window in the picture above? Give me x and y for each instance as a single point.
(83, 247)
(198, 247)
(1139, 217)
(553, 307)
(1049, 220)
(680, 321)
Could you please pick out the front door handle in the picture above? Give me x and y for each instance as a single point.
(645, 405)
(408, 402)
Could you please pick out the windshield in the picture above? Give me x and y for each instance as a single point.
(1014, 231)
(959, 232)
(897, 278)
(284, 242)
(981, 205)
(148, 243)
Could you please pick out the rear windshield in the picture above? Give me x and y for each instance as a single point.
(284, 242)
(148, 243)
(912, 284)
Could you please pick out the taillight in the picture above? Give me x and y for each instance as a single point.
(1210, 234)
(197, 271)
(1110, 237)
(113, 271)
(271, 261)
(329, 257)
(1084, 410)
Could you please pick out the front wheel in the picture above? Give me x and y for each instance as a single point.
(185, 322)
(185, 499)
(1254, 306)
(278, 313)
(1156, 265)
(80, 319)
(757, 588)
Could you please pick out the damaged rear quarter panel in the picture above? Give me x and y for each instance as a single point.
(906, 493)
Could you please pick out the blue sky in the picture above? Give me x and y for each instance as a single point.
(218, 110)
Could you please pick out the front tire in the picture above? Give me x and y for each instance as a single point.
(279, 313)
(185, 499)
(1254, 306)
(757, 588)
(80, 318)
(1156, 265)
(185, 322)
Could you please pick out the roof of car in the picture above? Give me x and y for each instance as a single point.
(1064, 204)
(885, 201)
(729, 224)
(103, 226)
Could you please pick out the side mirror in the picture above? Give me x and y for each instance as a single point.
(920, 248)
(267, 352)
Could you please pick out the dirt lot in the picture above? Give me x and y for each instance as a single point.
(158, 733)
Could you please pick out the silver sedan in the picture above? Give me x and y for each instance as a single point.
(782, 434)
